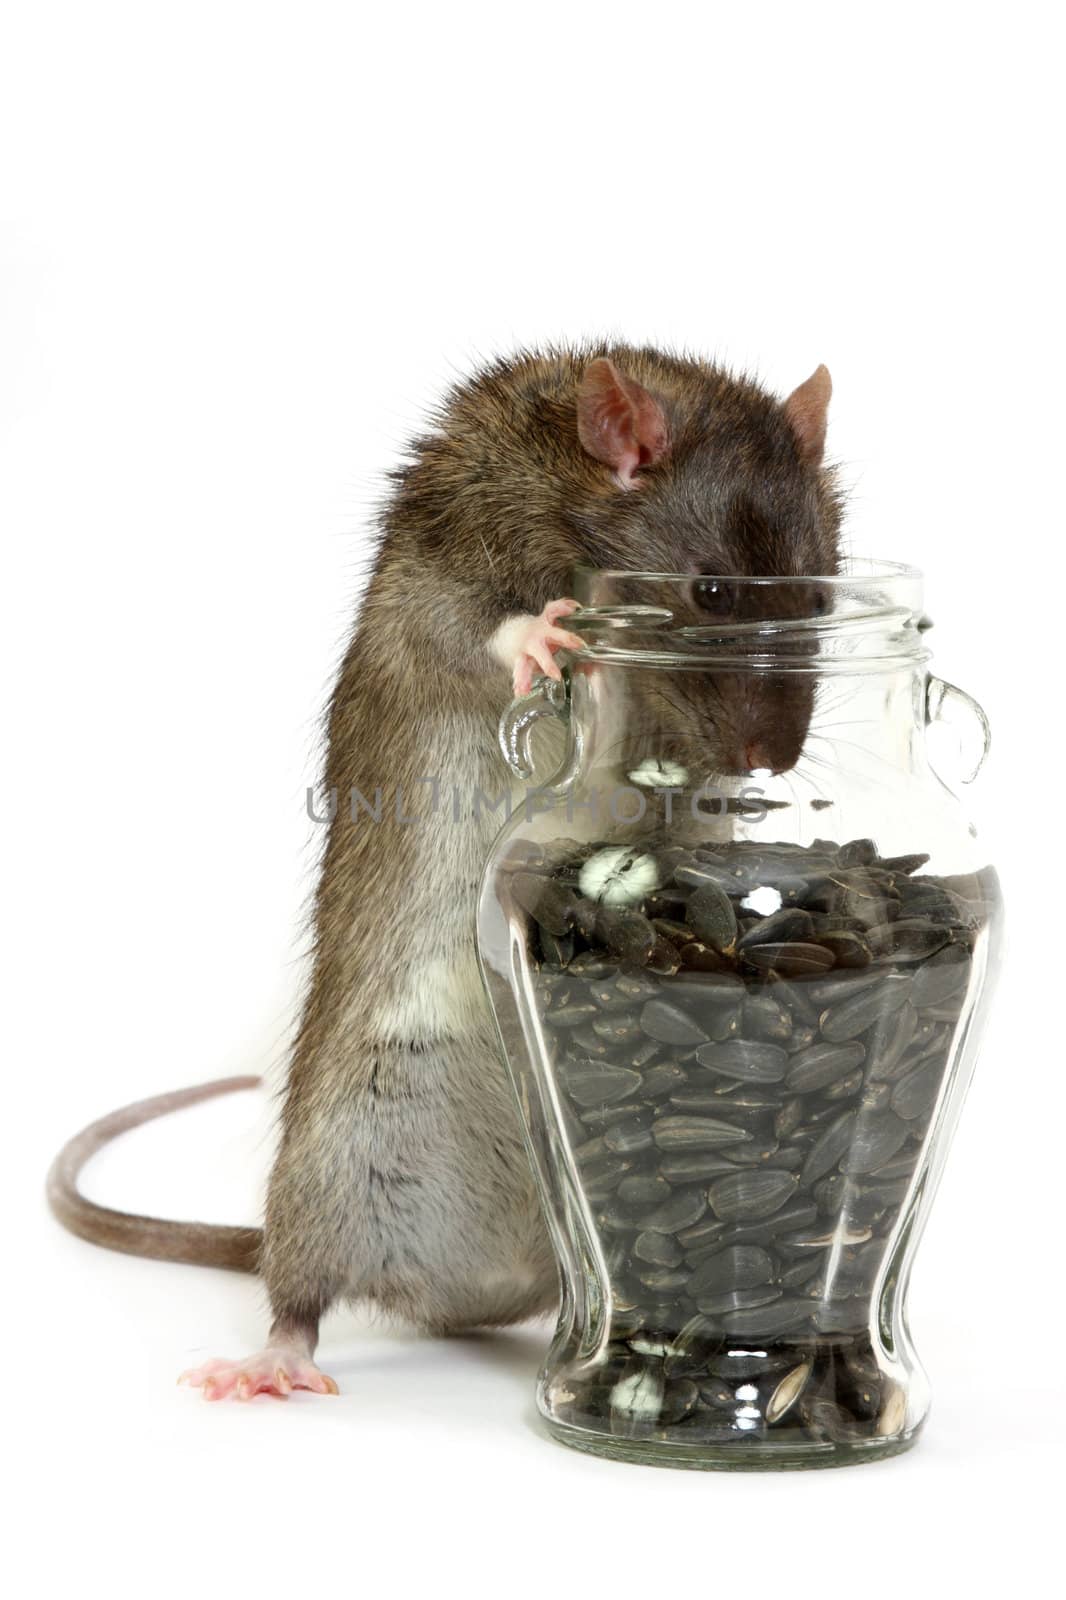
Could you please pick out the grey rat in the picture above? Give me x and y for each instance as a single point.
(401, 1176)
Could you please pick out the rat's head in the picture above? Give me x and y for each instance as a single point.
(706, 474)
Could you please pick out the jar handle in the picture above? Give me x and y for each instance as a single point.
(942, 699)
(549, 697)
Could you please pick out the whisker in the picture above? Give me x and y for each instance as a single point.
(853, 744)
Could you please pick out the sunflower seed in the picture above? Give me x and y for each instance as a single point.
(822, 1065)
(598, 1085)
(670, 1025)
(750, 1195)
(787, 1392)
(739, 1267)
(749, 1062)
(710, 915)
(915, 1095)
(875, 1142)
(696, 1133)
(853, 1016)
(682, 1210)
(790, 960)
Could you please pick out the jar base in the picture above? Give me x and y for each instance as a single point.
(744, 1456)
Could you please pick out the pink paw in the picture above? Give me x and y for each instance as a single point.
(538, 642)
(273, 1371)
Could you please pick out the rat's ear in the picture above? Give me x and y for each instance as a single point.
(806, 409)
(618, 421)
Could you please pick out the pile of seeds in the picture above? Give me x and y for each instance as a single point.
(750, 1043)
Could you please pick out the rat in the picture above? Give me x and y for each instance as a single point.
(401, 1175)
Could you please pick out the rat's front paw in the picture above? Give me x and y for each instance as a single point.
(273, 1371)
(531, 643)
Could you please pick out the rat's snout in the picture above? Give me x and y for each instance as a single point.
(768, 720)
(777, 753)
(759, 758)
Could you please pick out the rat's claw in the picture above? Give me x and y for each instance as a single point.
(560, 639)
(215, 1379)
(274, 1371)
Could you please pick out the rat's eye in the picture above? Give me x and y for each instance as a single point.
(713, 595)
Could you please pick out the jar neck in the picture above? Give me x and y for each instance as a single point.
(625, 717)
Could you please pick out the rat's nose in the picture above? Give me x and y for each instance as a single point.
(776, 752)
(756, 757)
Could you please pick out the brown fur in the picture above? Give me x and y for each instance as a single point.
(401, 1174)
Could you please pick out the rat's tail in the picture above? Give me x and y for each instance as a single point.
(203, 1244)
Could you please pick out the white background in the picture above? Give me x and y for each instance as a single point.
(244, 248)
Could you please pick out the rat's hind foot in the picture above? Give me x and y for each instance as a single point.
(275, 1370)
(534, 641)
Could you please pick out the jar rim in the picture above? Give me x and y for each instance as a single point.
(874, 619)
(852, 568)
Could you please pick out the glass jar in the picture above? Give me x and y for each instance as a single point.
(738, 949)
